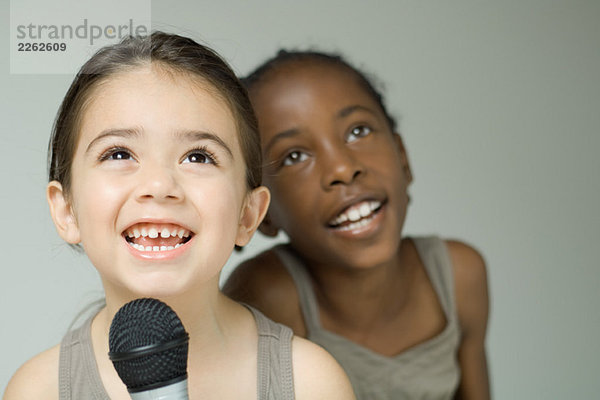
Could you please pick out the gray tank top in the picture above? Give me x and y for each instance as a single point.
(428, 370)
(79, 377)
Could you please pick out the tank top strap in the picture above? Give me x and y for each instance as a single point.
(64, 366)
(274, 374)
(77, 372)
(306, 294)
(436, 259)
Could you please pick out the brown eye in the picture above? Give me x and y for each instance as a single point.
(120, 155)
(116, 154)
(295, 157)
(200, 156)
(197, 158)
(358, 132)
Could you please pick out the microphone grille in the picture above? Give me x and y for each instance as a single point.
(148, 345)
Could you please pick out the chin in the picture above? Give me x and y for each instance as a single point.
(158, 285)
(159, 292)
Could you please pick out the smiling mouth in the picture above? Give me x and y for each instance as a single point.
(156, 237)
(356, 216)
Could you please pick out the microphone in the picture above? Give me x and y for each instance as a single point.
(149, 349)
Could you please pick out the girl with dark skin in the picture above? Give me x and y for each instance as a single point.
(338, 173)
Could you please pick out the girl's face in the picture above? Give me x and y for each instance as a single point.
(337, 173)
(158, 196)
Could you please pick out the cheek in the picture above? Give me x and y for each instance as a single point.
(218, 201)
(291, 202)
(95, 199)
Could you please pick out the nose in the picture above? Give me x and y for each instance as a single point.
(340, 167)
(158, 183)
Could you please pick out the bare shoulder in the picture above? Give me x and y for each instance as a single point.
(41, 369)
(472, 306)
(328, 381)
(470, 273)
(468, 263)
(264, 283)
(470, 281)
(259, 272)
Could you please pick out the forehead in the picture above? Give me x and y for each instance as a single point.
(300, 90)
(157, 100)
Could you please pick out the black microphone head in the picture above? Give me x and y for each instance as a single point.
(148, 345)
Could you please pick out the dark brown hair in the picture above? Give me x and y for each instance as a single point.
(175, 53)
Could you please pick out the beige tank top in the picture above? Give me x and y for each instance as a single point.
(79, 377)
(428, 370)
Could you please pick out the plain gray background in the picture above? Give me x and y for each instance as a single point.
(499, 107)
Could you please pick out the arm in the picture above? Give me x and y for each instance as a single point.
(327, 382)
(264, 283)
(472, 303)
(36, 379)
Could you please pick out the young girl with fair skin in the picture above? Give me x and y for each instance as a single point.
(405, 317)
(154, 173)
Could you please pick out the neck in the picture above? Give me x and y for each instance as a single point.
(356, 298)
(205, 313)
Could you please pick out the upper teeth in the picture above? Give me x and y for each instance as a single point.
(356, 212)
(155, 231)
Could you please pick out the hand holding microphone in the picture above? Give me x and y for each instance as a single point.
(149, 349)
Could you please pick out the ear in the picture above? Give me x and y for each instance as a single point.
(62, 213)
(253, 212)
(404, 157)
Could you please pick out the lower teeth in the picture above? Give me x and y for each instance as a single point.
(356, 225)
(153, 248)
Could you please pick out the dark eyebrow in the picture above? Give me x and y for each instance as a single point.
(344, 112)
(128, 132)
(281, 135)
(194, 136)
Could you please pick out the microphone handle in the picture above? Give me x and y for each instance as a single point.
(175, 391)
